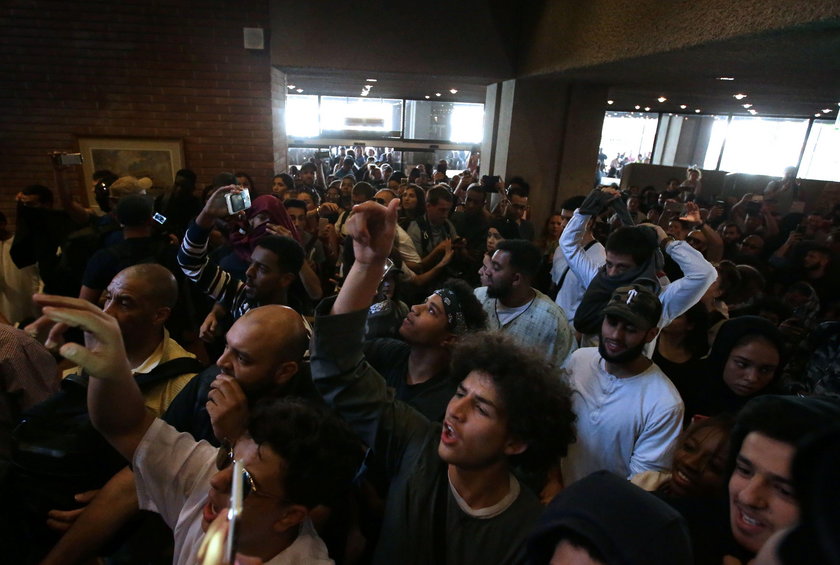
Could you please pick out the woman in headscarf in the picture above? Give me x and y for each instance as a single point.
(744, 362)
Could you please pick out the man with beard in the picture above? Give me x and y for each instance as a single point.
(515, 307)
(629, 413)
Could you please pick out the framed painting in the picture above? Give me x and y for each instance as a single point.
(158, 159)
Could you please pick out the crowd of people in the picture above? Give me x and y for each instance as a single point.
(400, 367)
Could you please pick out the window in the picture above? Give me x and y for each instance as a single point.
(361, 115)
(458, 122)
(686, 140)
(763, 146)
(629, 135)
(301, 116)
(821, 159)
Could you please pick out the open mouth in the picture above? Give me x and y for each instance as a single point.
(447, 434)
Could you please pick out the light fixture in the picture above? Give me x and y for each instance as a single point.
(747, 105)
(291, 87)
(299, 90)
(683, 106)
(437, 93)
(647, 108)
(662, 99)
(817, 115)
(726, 78)
(370, 80)
(364, 93)
(610, 102)
(739, 96)
(826, 110)
(637, 107)
(697, 111)
(426, 97)
(453, 90)
(752, 111)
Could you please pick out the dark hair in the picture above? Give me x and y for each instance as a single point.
(134, 211)
(289, 253)
(287, 180)
(316, 198)
(437, 193)
(294, 203)
(474, 314)
(396, 176)
(737, 332)
(224, 179)
(247, 176)
(517, 190)
(421, 199)
(534, 396)
(321, 455)
(729, 275)
(637, 241)
(43, 193)
(697, 337)
(525, 257)
(308, 166)
(506, 228)
(363, 189)
(572, 203)
(107, 177)
(787, 419)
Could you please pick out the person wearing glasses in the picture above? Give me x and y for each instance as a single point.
(295, 456)
(517, 196)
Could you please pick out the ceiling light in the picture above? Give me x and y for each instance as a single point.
(610, 102)
(662, 99)
(726, 78)
(826, 110)
(364, 93)
(299, 90)
(747, 105)
(752, 111)
(817, 115)
(739, 96)
(291, 87)
(637, 107)
(367, 86)
(647, 108)
(697, 111)
(426, 97)
(370, 80)
(453, 90)
(683, 106)
(437, 93)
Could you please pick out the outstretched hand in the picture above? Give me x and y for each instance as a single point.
(103, 355)
(216, 206)
(372, 227)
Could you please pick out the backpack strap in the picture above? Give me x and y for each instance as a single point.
(168, 370)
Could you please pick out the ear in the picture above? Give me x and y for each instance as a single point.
(651, 334)
(290, 519)
(286, 279)
(285, 372)
(449, 341)
(515, 447)
(162, 314)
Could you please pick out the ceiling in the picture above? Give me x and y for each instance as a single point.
(794, 72)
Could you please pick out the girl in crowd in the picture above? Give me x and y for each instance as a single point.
(681, 344)
(412, 205)
(699, 467)
(498, 231)
(744, 362)
(281, 184)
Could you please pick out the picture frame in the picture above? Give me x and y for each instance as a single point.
(158, 159)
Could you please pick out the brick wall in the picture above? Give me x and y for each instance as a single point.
(135, 68)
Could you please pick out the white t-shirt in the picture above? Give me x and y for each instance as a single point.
(625, 425)
(506, 314)
(172, 472)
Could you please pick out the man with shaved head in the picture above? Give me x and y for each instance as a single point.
(263, 357)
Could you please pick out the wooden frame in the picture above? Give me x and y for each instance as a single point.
(158, 159)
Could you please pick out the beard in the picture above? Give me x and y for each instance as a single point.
(500, 290)
(630, 354)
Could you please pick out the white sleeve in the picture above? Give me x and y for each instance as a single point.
(405, 246)
(170, 467)
(571, 242)
(654, 449)
(682, 294)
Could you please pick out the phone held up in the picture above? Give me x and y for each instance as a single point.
(236, 202)
(234, 511)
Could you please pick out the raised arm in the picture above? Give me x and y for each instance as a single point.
(684, 293)
(115, 404)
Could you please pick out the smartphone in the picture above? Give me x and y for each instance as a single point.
(159, 218)
(673, 207)
(758, 198)
(234, 511)
(238, 202)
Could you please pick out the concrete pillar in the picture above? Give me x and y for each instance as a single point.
(546, 131)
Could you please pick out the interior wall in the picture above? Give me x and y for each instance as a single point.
(139, 69)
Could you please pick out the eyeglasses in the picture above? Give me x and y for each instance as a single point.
(224, 459)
